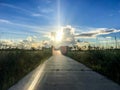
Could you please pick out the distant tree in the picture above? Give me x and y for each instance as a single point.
(78, 40)
(33, 48)
(111, 47)
(89, 47)
(116, 44)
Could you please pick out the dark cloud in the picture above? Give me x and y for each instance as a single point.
(86, 35)
(97, 32)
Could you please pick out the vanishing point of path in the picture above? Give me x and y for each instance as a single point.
(63, 73)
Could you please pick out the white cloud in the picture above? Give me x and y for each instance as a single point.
(7, 42)
(44, 30)
(29, 42)
(18, 24)
(5, 21)
(23, 10)
(109, 37)
(67, 36)
(15, 7)
(29, 39)
(48, 1)
(47, 35)
(36, 14)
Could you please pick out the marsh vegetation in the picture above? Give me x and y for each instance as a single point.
(15, 64)
(106, 62)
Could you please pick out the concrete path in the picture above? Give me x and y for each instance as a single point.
(63, 73)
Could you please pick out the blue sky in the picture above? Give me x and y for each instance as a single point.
(22, 18)
(93, 13)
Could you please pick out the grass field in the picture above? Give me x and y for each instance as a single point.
(106, 62)
(15, 64)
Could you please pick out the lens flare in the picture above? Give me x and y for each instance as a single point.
(59, 36)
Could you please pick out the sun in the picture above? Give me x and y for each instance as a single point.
(59, 36)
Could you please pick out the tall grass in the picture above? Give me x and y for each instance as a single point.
(106, 62)
(15, 64)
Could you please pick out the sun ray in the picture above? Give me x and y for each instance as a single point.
(58, 15)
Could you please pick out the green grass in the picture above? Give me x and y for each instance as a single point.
(106, 62)
(15, 64)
